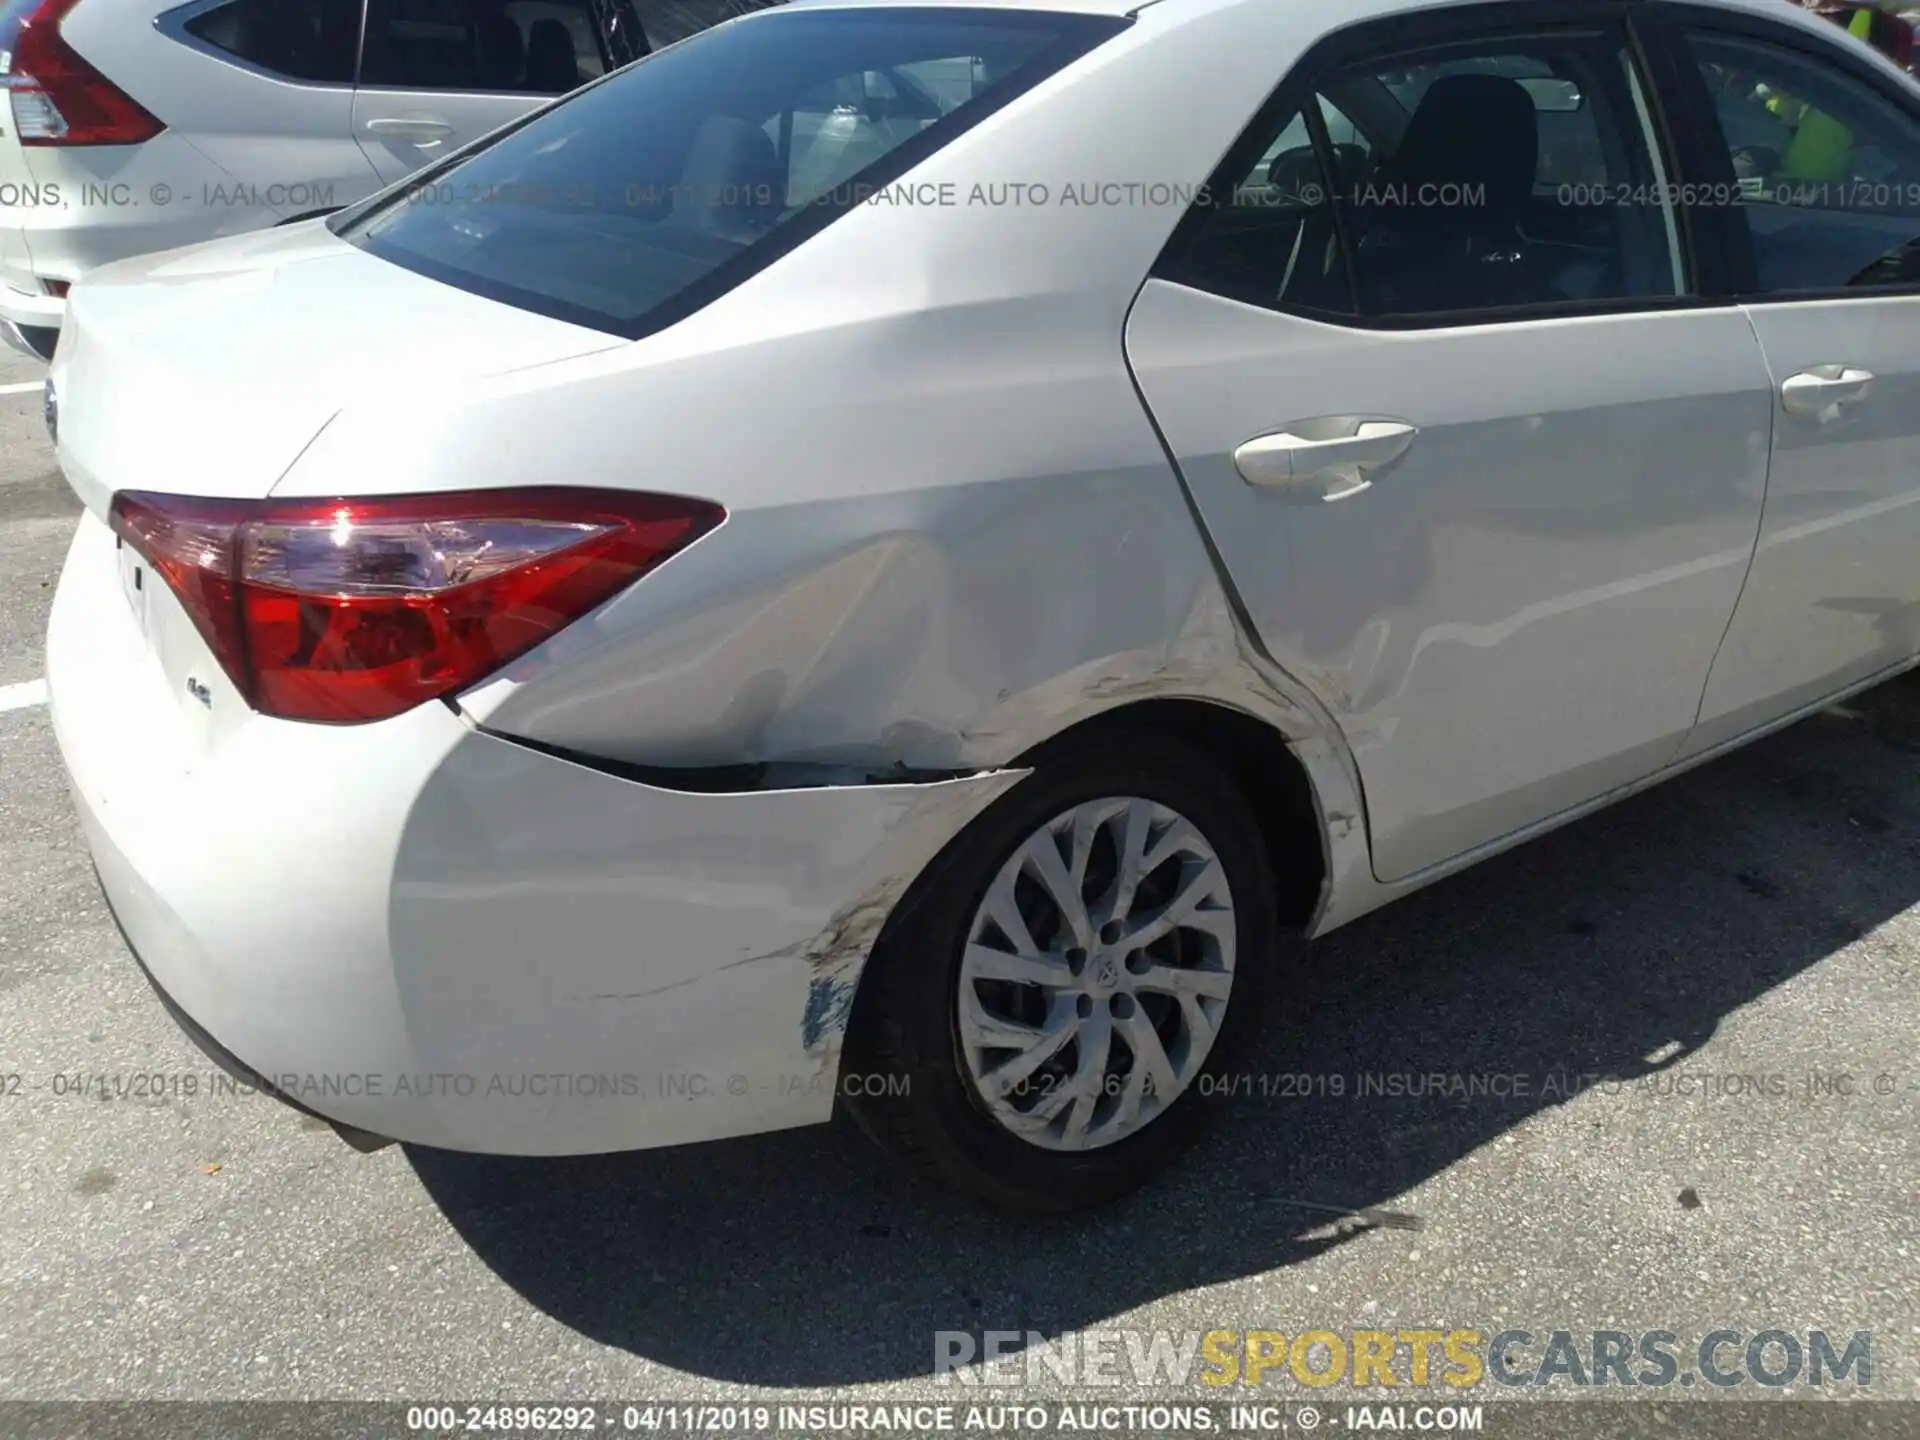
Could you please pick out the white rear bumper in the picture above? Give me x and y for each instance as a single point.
(437, 935)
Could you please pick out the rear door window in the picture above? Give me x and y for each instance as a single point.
(542, 47)
(1504, 174)
(649, 194)
(1525, 173)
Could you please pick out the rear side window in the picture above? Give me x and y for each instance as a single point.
(299, 39)
(542, 47)
(648, 195)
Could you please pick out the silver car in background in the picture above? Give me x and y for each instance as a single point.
(144, 125)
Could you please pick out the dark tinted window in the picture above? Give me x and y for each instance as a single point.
(1827, 168)
(649, 194)
(546, 47)
(1523, 173)
(300, 39)
(1471, 178)
(667, 21)
(1569, 146)
(1270, 239)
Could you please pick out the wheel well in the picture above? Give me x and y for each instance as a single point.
(1260, 763)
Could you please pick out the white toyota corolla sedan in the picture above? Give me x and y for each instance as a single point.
(902, 555)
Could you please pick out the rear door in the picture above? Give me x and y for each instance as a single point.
(1818, 149)
(1484, 470)
(435, 74)
(263, 89)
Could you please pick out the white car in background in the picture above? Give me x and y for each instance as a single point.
(757, 599)
(142, 125)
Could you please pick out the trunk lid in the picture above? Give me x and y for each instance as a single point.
(206, 371)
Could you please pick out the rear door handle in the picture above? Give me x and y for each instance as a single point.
(1821, 390)
(421, 131)
(1331, 468)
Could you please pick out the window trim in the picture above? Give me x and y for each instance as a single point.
(1322, 142)
(1707, 163)
(1384, 37)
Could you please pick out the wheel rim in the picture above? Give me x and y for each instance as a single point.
(1096, 974)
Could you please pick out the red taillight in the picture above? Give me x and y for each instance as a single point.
(348, 610)
(1899, 41)
(58, 98)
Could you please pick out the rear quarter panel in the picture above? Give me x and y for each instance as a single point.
(278, 148)
(952, 529)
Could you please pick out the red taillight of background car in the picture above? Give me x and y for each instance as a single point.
(58, 98)
(1890, 34)
(352, 610)
(1898, 39)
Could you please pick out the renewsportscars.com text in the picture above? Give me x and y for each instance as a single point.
(1772, 1357)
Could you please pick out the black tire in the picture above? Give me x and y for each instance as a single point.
(905, 1022)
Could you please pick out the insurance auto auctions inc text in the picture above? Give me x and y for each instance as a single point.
(1767, 1356)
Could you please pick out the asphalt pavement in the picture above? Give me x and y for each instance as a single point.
(1723, 976)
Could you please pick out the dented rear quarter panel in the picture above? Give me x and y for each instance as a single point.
(952, 528)
(953, 531)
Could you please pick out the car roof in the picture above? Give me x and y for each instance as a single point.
(1340, 13)
(1080, 7)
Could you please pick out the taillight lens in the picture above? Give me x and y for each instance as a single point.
(1899, 41)
(350, 610)
(58, 98)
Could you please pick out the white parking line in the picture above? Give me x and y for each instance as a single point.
(23, 696)
(23, 388)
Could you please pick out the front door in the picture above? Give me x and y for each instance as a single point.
(1823, 154)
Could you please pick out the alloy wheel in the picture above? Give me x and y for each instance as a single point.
(1096, 974)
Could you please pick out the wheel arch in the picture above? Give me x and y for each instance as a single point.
(1263, 766)
(1260, 761)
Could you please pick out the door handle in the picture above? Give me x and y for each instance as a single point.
(1820, 390)
(422, 132)
(1288, 460)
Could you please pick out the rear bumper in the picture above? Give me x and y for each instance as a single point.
(423, 931)
(228, 1061)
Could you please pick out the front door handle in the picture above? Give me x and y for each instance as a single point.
(1821, 390)
(1331, 467)
(419, 130)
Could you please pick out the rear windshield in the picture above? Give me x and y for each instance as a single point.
(647, 195)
